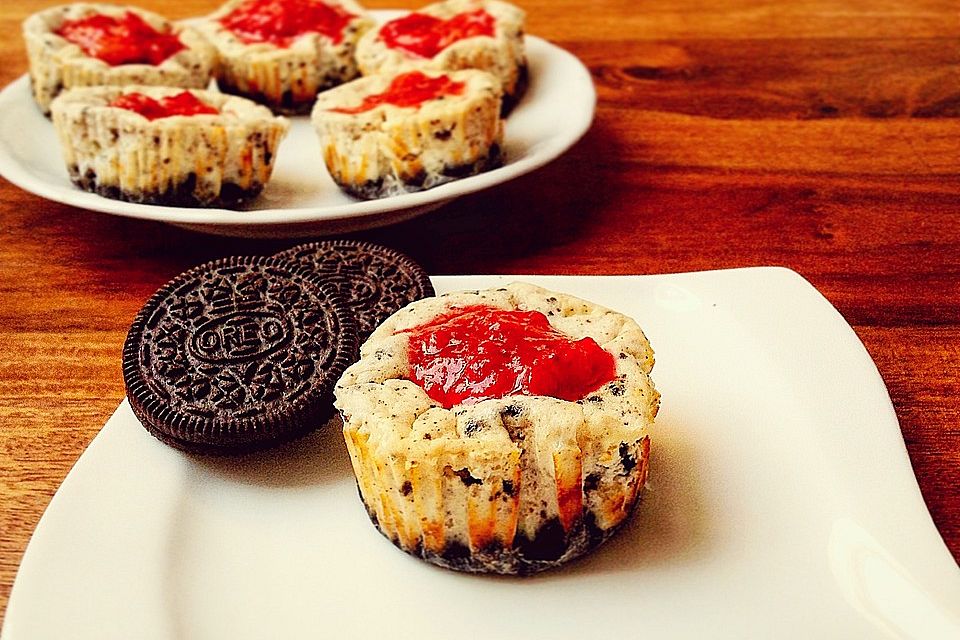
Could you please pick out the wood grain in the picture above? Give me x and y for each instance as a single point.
(819, 135)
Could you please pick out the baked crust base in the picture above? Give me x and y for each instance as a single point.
(385, 187)
(183, 194)
(511, 100)
(550, 548)
(286, 105)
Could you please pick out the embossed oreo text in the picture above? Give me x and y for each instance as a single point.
(240, 336)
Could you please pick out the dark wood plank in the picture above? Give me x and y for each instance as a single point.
(793, 78)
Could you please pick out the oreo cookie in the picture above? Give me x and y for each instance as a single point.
(238, 355)
(375, 281)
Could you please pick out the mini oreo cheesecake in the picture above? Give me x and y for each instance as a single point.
(160, 145)
(79, 45)
(281, 53)
(451, 35)
(388, 135)
(501, 431)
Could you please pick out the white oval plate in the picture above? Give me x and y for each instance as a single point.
(781, 504)
(301, 199)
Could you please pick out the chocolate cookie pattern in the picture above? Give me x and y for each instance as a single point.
(238, 354)
(374, 280)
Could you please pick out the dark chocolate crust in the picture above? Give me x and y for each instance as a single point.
(550, 548)
(374, 280)
(182, 194)
(238, 355)
(374, 189)
(510, 100)
(287, 105)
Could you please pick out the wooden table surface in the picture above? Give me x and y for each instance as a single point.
(823, 136)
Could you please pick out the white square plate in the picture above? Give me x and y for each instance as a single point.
(781, 504)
